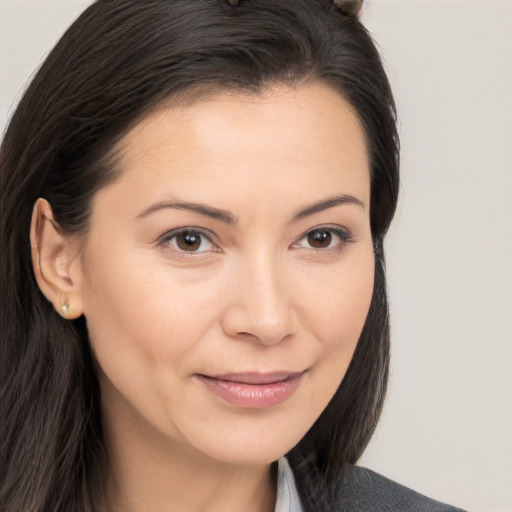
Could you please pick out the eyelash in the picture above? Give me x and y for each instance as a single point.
(343, 235)
(192, 231)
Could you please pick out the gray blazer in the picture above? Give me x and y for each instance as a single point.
(358, 490)
(363, 490)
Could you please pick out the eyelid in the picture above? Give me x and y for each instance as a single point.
(342, 232)
(168, 235)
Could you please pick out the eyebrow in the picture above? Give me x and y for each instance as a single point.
(328, 203)
(229, 218)
(203, 209)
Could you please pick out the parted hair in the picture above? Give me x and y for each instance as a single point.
(116, 63)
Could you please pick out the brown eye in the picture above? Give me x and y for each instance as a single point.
(324, 239)
(188, 241)
(320, 238)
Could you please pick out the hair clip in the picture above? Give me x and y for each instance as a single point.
(349, 7)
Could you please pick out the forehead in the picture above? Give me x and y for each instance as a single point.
(279, 114)
(304, 140)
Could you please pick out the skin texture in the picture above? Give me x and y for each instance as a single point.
(252, 296)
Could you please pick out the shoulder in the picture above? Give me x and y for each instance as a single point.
(363, 490)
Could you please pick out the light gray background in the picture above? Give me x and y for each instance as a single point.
(447, 425)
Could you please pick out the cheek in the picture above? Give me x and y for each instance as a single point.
(139, 315)
(145, 325)
(337, 305)
(337, 316)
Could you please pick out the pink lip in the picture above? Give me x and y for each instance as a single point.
(253, 390)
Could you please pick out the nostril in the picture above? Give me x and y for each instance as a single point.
(245, 324)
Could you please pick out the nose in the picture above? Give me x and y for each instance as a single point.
(259, 305)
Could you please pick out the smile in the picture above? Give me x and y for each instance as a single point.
(253, 390)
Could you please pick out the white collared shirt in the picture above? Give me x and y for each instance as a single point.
(287, 495)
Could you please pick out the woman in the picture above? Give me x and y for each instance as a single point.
(194, 202)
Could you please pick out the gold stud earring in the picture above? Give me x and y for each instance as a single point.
(64, 310)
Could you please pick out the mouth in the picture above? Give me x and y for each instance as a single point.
(256, 390)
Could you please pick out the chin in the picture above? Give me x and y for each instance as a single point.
(259, 451)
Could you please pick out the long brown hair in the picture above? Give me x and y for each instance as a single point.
(116, 63)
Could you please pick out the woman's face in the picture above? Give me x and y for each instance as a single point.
(228, 272)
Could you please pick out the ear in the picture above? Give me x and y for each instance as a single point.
(56, 262)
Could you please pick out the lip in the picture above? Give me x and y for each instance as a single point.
(256, 390)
